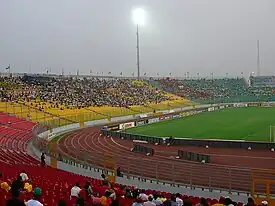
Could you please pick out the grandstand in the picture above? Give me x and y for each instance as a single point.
(42, 101)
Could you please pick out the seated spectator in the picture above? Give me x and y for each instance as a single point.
(149, 202)
(103, 188)
(5, 186)
(250, 202)
(171, 202)
(143, 196)
(203, 202)
(138, 202)
(179, 200)
(264, 203)
(37, 193)
(24, 176)
(15, 201)
(156, 199)
(105, 199)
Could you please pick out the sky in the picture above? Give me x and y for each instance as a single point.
(179, 36)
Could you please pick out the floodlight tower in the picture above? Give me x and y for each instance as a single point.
(139, 20)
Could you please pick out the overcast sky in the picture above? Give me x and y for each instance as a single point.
(180, 36)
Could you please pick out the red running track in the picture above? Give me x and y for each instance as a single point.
(229, 169)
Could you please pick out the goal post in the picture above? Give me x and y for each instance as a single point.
(271, 133)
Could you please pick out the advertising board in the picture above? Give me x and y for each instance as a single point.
(150, 121)
(113, 127)
(127, 125)
(139, 123)
(175, 116)
(210, 109)
(240, 105)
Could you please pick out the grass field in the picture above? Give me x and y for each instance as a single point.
(251, 124)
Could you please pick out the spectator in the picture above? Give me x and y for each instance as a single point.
(17, 185)
(143, 196)
(75, 191)
(24, 176)
(179, 200)
(105, 199)
(15, 201)
(264, 203)
(149, 202)
(43, 158)
(203, 202)
(250, 202)
(156, 200)
(28, 186)
(138, 202)
(118, 172)
(37, 193)
(88, 190)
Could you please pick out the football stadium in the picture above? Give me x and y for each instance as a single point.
(168, 132)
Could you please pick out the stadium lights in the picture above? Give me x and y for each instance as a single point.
(138, 16)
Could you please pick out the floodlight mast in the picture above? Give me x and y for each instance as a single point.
(138, 67)
(139, 19)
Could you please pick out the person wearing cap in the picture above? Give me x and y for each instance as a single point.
(264, 203)
(37, 192)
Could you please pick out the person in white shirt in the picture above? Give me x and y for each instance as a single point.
(143, 196)
(24, 176)
(75, 190)
(149, 202)
(178, 200)
(36, 199)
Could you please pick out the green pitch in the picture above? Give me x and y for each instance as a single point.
(250, 124)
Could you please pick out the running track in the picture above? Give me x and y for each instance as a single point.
(226, 164)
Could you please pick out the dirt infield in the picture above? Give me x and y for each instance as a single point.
(230, 168)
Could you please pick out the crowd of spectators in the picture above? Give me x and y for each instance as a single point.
(212, 88)
(106, 194)
(79, 92)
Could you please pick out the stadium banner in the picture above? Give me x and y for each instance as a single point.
(254, 104)
(139, 123)
(154, 120)
(113, 127)
(193, 156)
(268, 104)
(161, 118)
(175, 116)
(127, 125)
(141, 116)
(211, 109)
(168, 117)
(240, 105)
(222, 107)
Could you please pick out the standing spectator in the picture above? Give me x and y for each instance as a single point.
(17, 185)
(15, 201)
(118, 172)
(36, 198)
(156, 200)
(43, 158)
(105, 199)
(24, 176)
(75, 191)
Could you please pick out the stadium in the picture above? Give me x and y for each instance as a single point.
(173, 106)
(231, 141)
